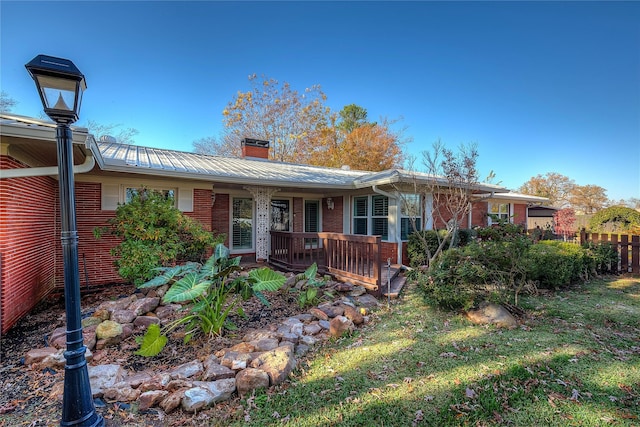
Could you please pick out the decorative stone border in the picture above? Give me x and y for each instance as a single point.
(265, 357)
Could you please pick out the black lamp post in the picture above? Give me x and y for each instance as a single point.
(60, 85)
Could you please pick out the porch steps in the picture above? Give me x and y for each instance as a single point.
(397, 283)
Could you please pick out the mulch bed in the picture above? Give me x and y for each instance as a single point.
(26, 400)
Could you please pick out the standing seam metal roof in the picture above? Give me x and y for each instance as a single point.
(133, 158)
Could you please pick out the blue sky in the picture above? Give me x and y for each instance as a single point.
(540, 87)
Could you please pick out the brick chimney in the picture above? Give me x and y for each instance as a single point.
(255, 148)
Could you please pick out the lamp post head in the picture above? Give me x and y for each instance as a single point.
(60, 85)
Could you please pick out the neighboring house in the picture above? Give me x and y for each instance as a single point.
(244, 198)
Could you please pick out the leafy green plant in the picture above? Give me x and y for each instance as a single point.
(210, 295)
(617, 219)
(309, 286)
(154, 232)
(604, 256)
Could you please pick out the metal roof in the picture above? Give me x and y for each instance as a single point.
(147, 160)
(116, 157)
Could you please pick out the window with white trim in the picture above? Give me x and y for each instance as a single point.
(371, 215)
(242, 223)
(499, 211)
(410, 213)
(168, 193)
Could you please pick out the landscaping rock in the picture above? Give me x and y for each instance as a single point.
(220, 390)
(196, 398)
(144, 305)
(367, 301)
(36, 355)
(150, 399)
(102, 377)
(251, 379)
(353, 314)
(318, 314)
(215, 371)
(187, 370)
(493, 314)
(277, 363)
(123, 316)
(121, 392)
(143, 322)
(340, 326)
(171, 401)
(108, 329)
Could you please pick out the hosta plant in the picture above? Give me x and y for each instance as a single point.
(209, 294)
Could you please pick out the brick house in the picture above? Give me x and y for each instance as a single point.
(245, 198)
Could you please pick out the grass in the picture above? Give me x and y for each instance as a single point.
(574, 361)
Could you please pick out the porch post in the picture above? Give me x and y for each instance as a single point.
(262, 197)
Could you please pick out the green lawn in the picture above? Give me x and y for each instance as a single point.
(574, 361)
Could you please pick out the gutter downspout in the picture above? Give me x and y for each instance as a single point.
(398, 237)
(86, 166)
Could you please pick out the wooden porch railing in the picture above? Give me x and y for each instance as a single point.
(344, 256)
(627, 246)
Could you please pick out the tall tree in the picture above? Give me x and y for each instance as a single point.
(122, 135)
(352, 116)
(6, 102)
(554, 186)
(588, 199)
(349, 140)
(275, 112)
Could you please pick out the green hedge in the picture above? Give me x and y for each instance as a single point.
(504, 264)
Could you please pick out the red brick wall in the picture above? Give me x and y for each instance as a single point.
(29, 236)
(332, 218)
(388, 250)
(30, 248)
(220, 216)
(479, 212)
(298, 215)
(93, 253)
(520, 214)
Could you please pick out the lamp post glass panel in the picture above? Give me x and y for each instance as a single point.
(60, 85)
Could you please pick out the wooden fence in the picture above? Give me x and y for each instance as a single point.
(627, 246)
(344, 256)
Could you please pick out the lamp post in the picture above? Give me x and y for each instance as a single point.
(60, 85)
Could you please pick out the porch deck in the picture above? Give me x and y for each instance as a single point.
(352, 258)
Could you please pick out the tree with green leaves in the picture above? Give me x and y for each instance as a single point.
(617, 219)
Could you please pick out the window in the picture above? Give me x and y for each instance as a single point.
(311, 220)
(411, 211)
(380, 216)
(372, 210)
(280, 215)
(499, 212)
(360, 215)
(129, 192)
(242, 224)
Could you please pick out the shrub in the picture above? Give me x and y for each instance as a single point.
(417, 250)
(451, 282)
(615, 219)
(603, 255)
(554, 264)
(500, 232)
(154, 233)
